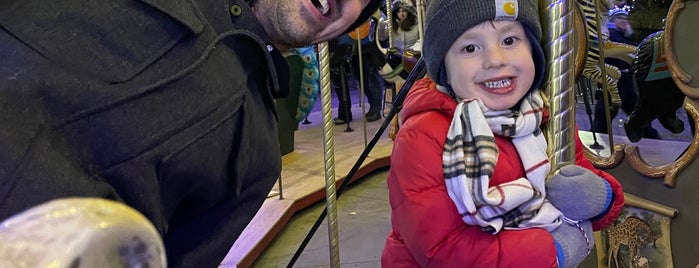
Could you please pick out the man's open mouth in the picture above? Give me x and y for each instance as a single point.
(322, 6)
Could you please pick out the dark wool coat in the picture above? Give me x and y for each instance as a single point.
(166, 105)
(427, 230)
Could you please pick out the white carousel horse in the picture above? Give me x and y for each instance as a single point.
(80, 232)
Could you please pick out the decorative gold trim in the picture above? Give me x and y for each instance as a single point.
(606, 162)
(638, 164)
(681, 77)
(619, 51)
(691, 106)
(635, 201)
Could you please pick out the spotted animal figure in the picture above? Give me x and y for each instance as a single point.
(595, 37)
(632, 232)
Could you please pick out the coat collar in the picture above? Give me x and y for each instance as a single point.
(180, 10)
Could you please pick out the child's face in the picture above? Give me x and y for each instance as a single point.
(491, 61)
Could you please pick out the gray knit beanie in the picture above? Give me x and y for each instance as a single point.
(448, 19)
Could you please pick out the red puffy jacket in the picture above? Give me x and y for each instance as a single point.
(427, 229)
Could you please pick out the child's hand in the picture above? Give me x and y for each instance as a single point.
(579, 193)
(573, 242)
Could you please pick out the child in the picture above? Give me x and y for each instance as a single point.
(467, 181)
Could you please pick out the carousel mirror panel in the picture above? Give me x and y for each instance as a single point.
(632, 105)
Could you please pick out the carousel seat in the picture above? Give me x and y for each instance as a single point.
(80, 232)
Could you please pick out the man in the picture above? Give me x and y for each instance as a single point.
(165, 105)
(620, 31)
(346, 57)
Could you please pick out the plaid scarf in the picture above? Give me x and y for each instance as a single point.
(469, 159)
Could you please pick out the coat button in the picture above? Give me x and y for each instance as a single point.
(236, 10)
(270, 48)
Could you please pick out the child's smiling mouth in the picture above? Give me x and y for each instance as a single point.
(499, 85)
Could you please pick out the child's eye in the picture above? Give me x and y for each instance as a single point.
(510, 41)
(469, 49)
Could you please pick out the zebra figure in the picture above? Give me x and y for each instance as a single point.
(591, 68)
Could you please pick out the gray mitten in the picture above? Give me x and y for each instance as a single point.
(579, 193)
(573, 242)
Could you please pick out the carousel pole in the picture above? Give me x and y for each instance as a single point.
(329, 156)
(389, 19)
(606, 92)
(559, 88)
(420, 7)
(361, 81)
(344, 92)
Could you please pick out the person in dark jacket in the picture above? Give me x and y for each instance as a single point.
(346, 54)
(166, 106)
(620, 31)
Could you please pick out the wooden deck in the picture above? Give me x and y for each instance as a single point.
(303, 180)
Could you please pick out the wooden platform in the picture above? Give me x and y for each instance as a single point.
(303, 180)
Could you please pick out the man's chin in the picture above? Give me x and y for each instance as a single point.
(287, 40)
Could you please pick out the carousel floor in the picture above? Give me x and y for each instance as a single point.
(364, 220)
(303, 180)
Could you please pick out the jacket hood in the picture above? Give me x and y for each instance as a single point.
(404, 5)
(424, 97)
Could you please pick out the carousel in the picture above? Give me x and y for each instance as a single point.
(320, 159)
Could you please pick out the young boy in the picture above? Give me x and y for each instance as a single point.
(467, 181)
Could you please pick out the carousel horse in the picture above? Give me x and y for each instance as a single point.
(658, 95)
(595, 32)
(309, 82)
(398, 66)
(80, 232)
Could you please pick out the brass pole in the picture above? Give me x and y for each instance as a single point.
(329, 156)
(606, 87)
(360, 58)
(389, 19)
(558, 43)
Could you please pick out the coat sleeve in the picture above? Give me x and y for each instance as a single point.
(426, 220)
(607, 218)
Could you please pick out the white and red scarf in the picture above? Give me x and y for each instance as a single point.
(469, 159)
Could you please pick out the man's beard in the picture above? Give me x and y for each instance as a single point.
(295, 40)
